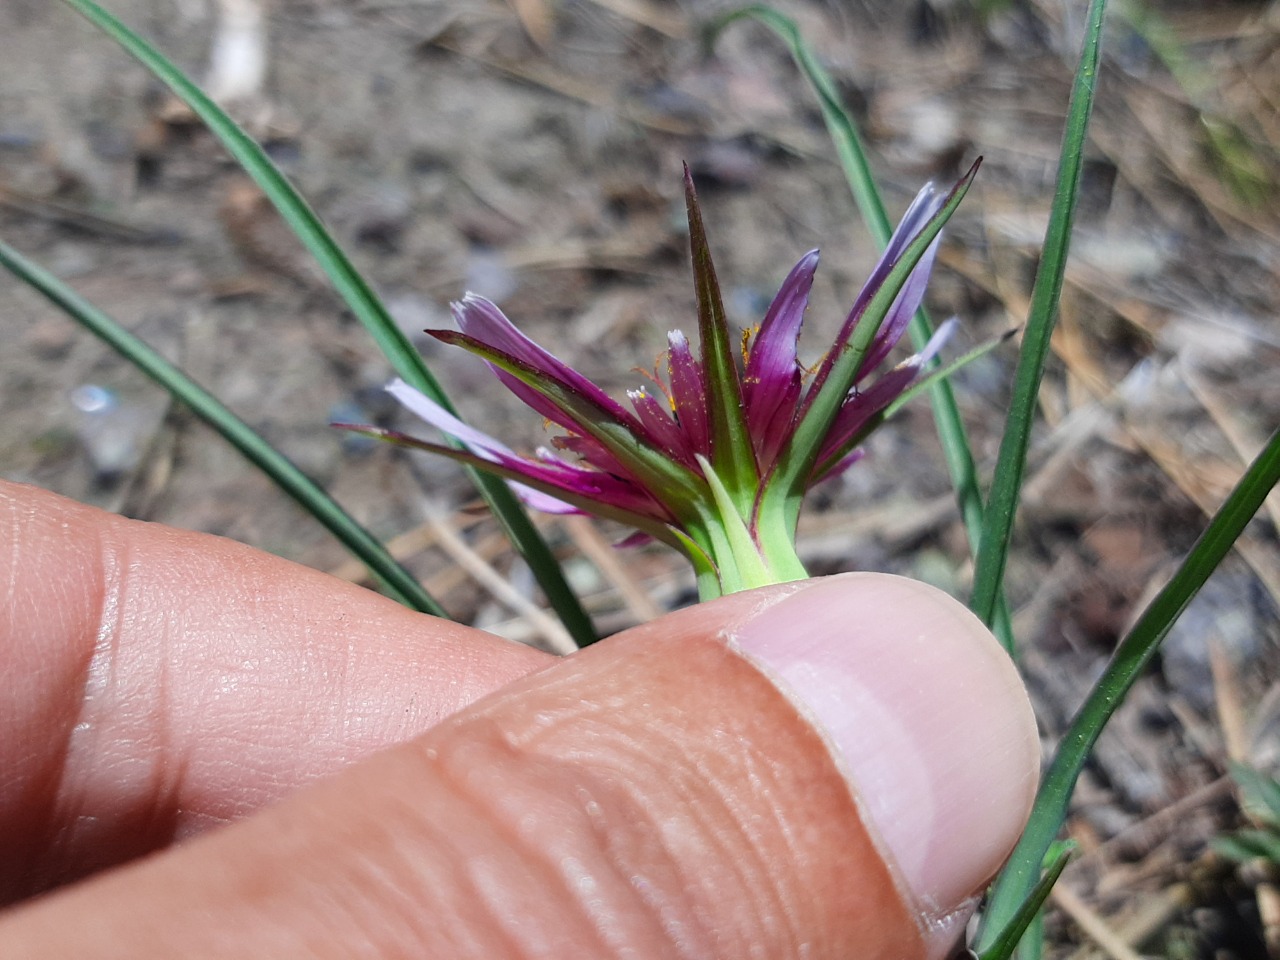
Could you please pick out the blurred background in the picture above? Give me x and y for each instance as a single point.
(530, 150)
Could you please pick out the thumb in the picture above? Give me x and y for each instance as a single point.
(814, 769)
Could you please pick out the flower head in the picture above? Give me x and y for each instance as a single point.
(715, 456)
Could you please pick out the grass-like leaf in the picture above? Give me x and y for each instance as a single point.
(395, 579)
(357, 294)
(1247, 845)
(1006, 942)
(857, 169)
(1259, 794)
(1006, 484)
(1131, 657)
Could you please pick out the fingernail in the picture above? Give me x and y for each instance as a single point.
(926, 716)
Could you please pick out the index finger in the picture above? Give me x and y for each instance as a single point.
(155, 681)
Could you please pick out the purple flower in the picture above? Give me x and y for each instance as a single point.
(715, 455)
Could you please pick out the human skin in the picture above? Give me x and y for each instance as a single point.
(825, 769)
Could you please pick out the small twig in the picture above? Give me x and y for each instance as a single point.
(555, 635)
(1226, 690)
(82, 219)
(402, 547)
(1246, 447)
(648, 15)
(1092, 924)
(584, 91)
(596, 549)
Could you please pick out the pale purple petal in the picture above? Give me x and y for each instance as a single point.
(936, 342)
(771, 381)
(481, 444)
(927, 203)
(653, 414)
(843, 465)
(543, 502)
(903, 309)
(481, 319)
(418, 403)
(687, 393)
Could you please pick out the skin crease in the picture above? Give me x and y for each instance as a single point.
(653, 796)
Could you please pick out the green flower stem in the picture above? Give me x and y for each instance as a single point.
(1028, 913)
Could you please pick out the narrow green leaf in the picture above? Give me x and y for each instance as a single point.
(1259, 793)
(357, 294)
(1006, 484)
(397, 581)
(1245, 845)
(1006, 942)
(857, 170)
(1131, 657)
(732, 453)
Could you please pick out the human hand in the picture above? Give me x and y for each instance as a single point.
(406, 787)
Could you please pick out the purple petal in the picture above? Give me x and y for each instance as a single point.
(653, 414)
(595, 453)
(482, 322)
(858, 409)
(903, 309)
(605, 487)
(861, 407)
(771, 382)
(481, 444)
(481, 319)
(927, 203)
(687, 393)
(843, 465)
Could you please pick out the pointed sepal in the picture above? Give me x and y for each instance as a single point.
(731, 452)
